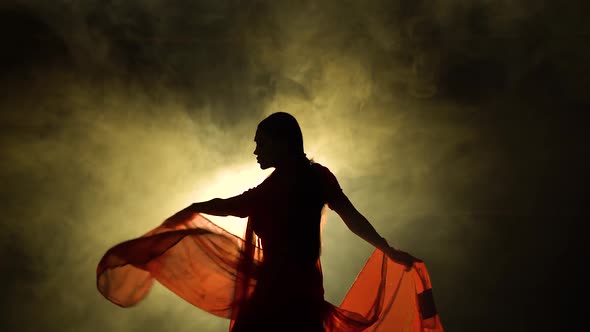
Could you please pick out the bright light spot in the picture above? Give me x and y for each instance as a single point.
(233, 181)
(228, 183)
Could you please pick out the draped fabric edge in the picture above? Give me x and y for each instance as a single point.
(384, 296)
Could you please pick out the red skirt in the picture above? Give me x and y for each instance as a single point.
(200, 262)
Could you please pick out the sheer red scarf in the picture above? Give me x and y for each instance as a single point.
(216, 271)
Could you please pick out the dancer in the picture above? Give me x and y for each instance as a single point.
(271, 280)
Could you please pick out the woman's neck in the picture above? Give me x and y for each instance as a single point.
(291, 163)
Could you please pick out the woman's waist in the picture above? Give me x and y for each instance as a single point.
(291, 259)
(295, 264)
(299, 280)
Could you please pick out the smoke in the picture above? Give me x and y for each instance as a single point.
(454, 126)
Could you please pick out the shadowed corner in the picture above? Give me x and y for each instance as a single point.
(33, 45)
(20, 275)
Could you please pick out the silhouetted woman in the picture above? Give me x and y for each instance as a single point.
(271, 280)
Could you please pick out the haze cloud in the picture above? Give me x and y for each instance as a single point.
(456, 127)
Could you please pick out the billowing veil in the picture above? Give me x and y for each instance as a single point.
(216, 270)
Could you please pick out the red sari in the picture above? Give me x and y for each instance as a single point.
(279, 288)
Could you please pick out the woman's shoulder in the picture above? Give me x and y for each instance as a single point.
(317, 166)
(328, 183)
(324, 172)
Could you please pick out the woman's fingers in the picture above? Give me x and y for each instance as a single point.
(402, 257)
(178, 217)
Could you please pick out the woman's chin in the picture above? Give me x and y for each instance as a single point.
(263, 165)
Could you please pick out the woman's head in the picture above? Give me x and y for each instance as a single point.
(278, 139)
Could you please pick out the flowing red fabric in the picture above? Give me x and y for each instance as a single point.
(217, 272)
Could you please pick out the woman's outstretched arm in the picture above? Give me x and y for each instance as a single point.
(357, 223)
(233, 206)
(360, 226)
(219, 207)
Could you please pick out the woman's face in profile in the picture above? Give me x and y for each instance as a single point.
(267, 150)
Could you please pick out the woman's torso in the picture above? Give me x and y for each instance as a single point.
(287, 215)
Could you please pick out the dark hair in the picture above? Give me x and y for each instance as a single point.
(284, 127)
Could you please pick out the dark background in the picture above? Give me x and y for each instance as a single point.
(457, 127)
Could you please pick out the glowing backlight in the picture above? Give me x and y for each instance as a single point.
(228, 183)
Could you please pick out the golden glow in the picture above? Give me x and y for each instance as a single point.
(231, 182)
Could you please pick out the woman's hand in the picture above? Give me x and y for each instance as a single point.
(179, 217)
(401, 257)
